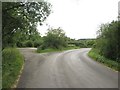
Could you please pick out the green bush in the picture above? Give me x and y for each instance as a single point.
(37, 43)
(94, 53)
(39, 50)
(20, 44)
(108, 40)
(43, 49)
(11, 65)
(28, 43)
(55, 38)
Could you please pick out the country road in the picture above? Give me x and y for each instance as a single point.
(67, 69)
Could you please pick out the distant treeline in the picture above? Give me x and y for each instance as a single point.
(83, 43)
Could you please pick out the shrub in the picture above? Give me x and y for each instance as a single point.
(11, 65)
(28, 43)
(20, 44)
(37, 43)
(55, 38)
(108, 40)
(94, 53)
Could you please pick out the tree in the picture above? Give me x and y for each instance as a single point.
(55, 38)
(108, 40)
(22, 17)
(34, 38)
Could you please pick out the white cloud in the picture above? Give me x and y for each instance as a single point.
(81, 18)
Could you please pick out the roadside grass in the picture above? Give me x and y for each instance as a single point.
(93, 53)
(12, 62)
(39, 50)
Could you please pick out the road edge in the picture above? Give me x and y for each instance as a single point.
(18, 78)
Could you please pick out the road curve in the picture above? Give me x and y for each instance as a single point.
(68, 69)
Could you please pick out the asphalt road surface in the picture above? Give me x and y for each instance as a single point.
(67, 69)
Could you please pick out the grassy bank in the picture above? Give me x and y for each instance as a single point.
(39, 50)
(96, 56)
(12, 62)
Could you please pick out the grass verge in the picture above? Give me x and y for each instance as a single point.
(12, 62)
(93, 53)
(55, 50)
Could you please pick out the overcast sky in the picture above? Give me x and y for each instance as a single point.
(80, 18)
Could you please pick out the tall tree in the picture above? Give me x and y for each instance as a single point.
(22, 17)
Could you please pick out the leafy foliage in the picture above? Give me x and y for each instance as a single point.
(28, 43)
(21, 18)
(108, 40)
(83, 43)
(55, 38)
(94, 53)
(38, 43)
(35, 39)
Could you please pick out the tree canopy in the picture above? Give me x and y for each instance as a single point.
(108, 40)
(22, 17)
(55, 38)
